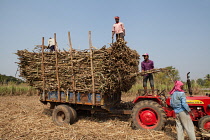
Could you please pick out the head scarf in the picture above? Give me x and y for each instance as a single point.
(177, 87)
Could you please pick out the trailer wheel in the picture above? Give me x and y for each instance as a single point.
(62, 114)
(204, 123)
(148, 114)
(74, 114)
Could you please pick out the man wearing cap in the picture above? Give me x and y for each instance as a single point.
(118, 29)
(147, 65)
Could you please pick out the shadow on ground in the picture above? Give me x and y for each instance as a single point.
(97, 116)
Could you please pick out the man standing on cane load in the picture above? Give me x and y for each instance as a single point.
(182, 110)
(51, 44)
(147, 65)
(118, 29)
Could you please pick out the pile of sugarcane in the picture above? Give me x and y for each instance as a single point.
(112, 71)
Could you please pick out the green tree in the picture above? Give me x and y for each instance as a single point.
(173, 74)
(165, 80)
(207, 80)
(6, 79)
(200, 82)
(207, 77)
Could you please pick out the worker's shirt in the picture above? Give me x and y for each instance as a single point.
(147, 65)
(178, 102)
(51, 42)
(118, 28)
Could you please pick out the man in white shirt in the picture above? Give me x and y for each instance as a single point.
(51, 44)
(118, 29)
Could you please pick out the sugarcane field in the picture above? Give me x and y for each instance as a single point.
(104, 70)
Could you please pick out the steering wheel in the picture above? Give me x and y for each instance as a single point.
(162, 93)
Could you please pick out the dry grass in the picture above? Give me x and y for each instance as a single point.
(24, 117)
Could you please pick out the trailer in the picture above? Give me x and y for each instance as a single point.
(72, 80)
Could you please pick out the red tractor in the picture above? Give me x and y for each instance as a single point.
(150, 112)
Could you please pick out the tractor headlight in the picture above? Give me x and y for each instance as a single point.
(198, 108)
(208, 105)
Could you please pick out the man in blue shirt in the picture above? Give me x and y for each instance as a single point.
(182, 110)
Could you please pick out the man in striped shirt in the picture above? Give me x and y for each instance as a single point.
(118, 29)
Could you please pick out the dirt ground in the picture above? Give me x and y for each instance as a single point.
(24, 117)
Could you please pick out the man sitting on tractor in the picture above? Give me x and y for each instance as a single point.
(182, 110)
(147, 65)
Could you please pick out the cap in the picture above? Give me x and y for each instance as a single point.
(116, 17)
(145, 54)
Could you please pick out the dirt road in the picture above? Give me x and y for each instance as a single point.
(24, 117)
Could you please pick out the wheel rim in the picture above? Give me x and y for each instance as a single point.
(147, 118)
(60, 116)
(207, 125)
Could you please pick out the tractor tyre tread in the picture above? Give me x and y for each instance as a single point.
(151, 104)
(202, 121)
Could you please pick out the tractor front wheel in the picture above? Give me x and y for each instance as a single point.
(148, 114)
(204, 123)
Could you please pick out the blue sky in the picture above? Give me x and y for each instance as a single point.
(174, 32)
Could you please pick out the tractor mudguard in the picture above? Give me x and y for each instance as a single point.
(153, 98)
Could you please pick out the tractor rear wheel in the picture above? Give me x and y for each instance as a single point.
(204, 123)
(148, 114)
(62, 114)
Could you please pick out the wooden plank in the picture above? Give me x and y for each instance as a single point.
(73, 77)
(56, 65)
(92, 70)
(43, 73)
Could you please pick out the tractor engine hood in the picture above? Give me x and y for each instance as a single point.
(195, 100)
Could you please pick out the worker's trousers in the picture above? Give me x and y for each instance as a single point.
(184, 122)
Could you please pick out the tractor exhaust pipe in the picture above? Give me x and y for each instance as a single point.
(189, 84)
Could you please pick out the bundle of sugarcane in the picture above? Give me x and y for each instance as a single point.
(120, 62)
(154, 71)
(113, 69)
